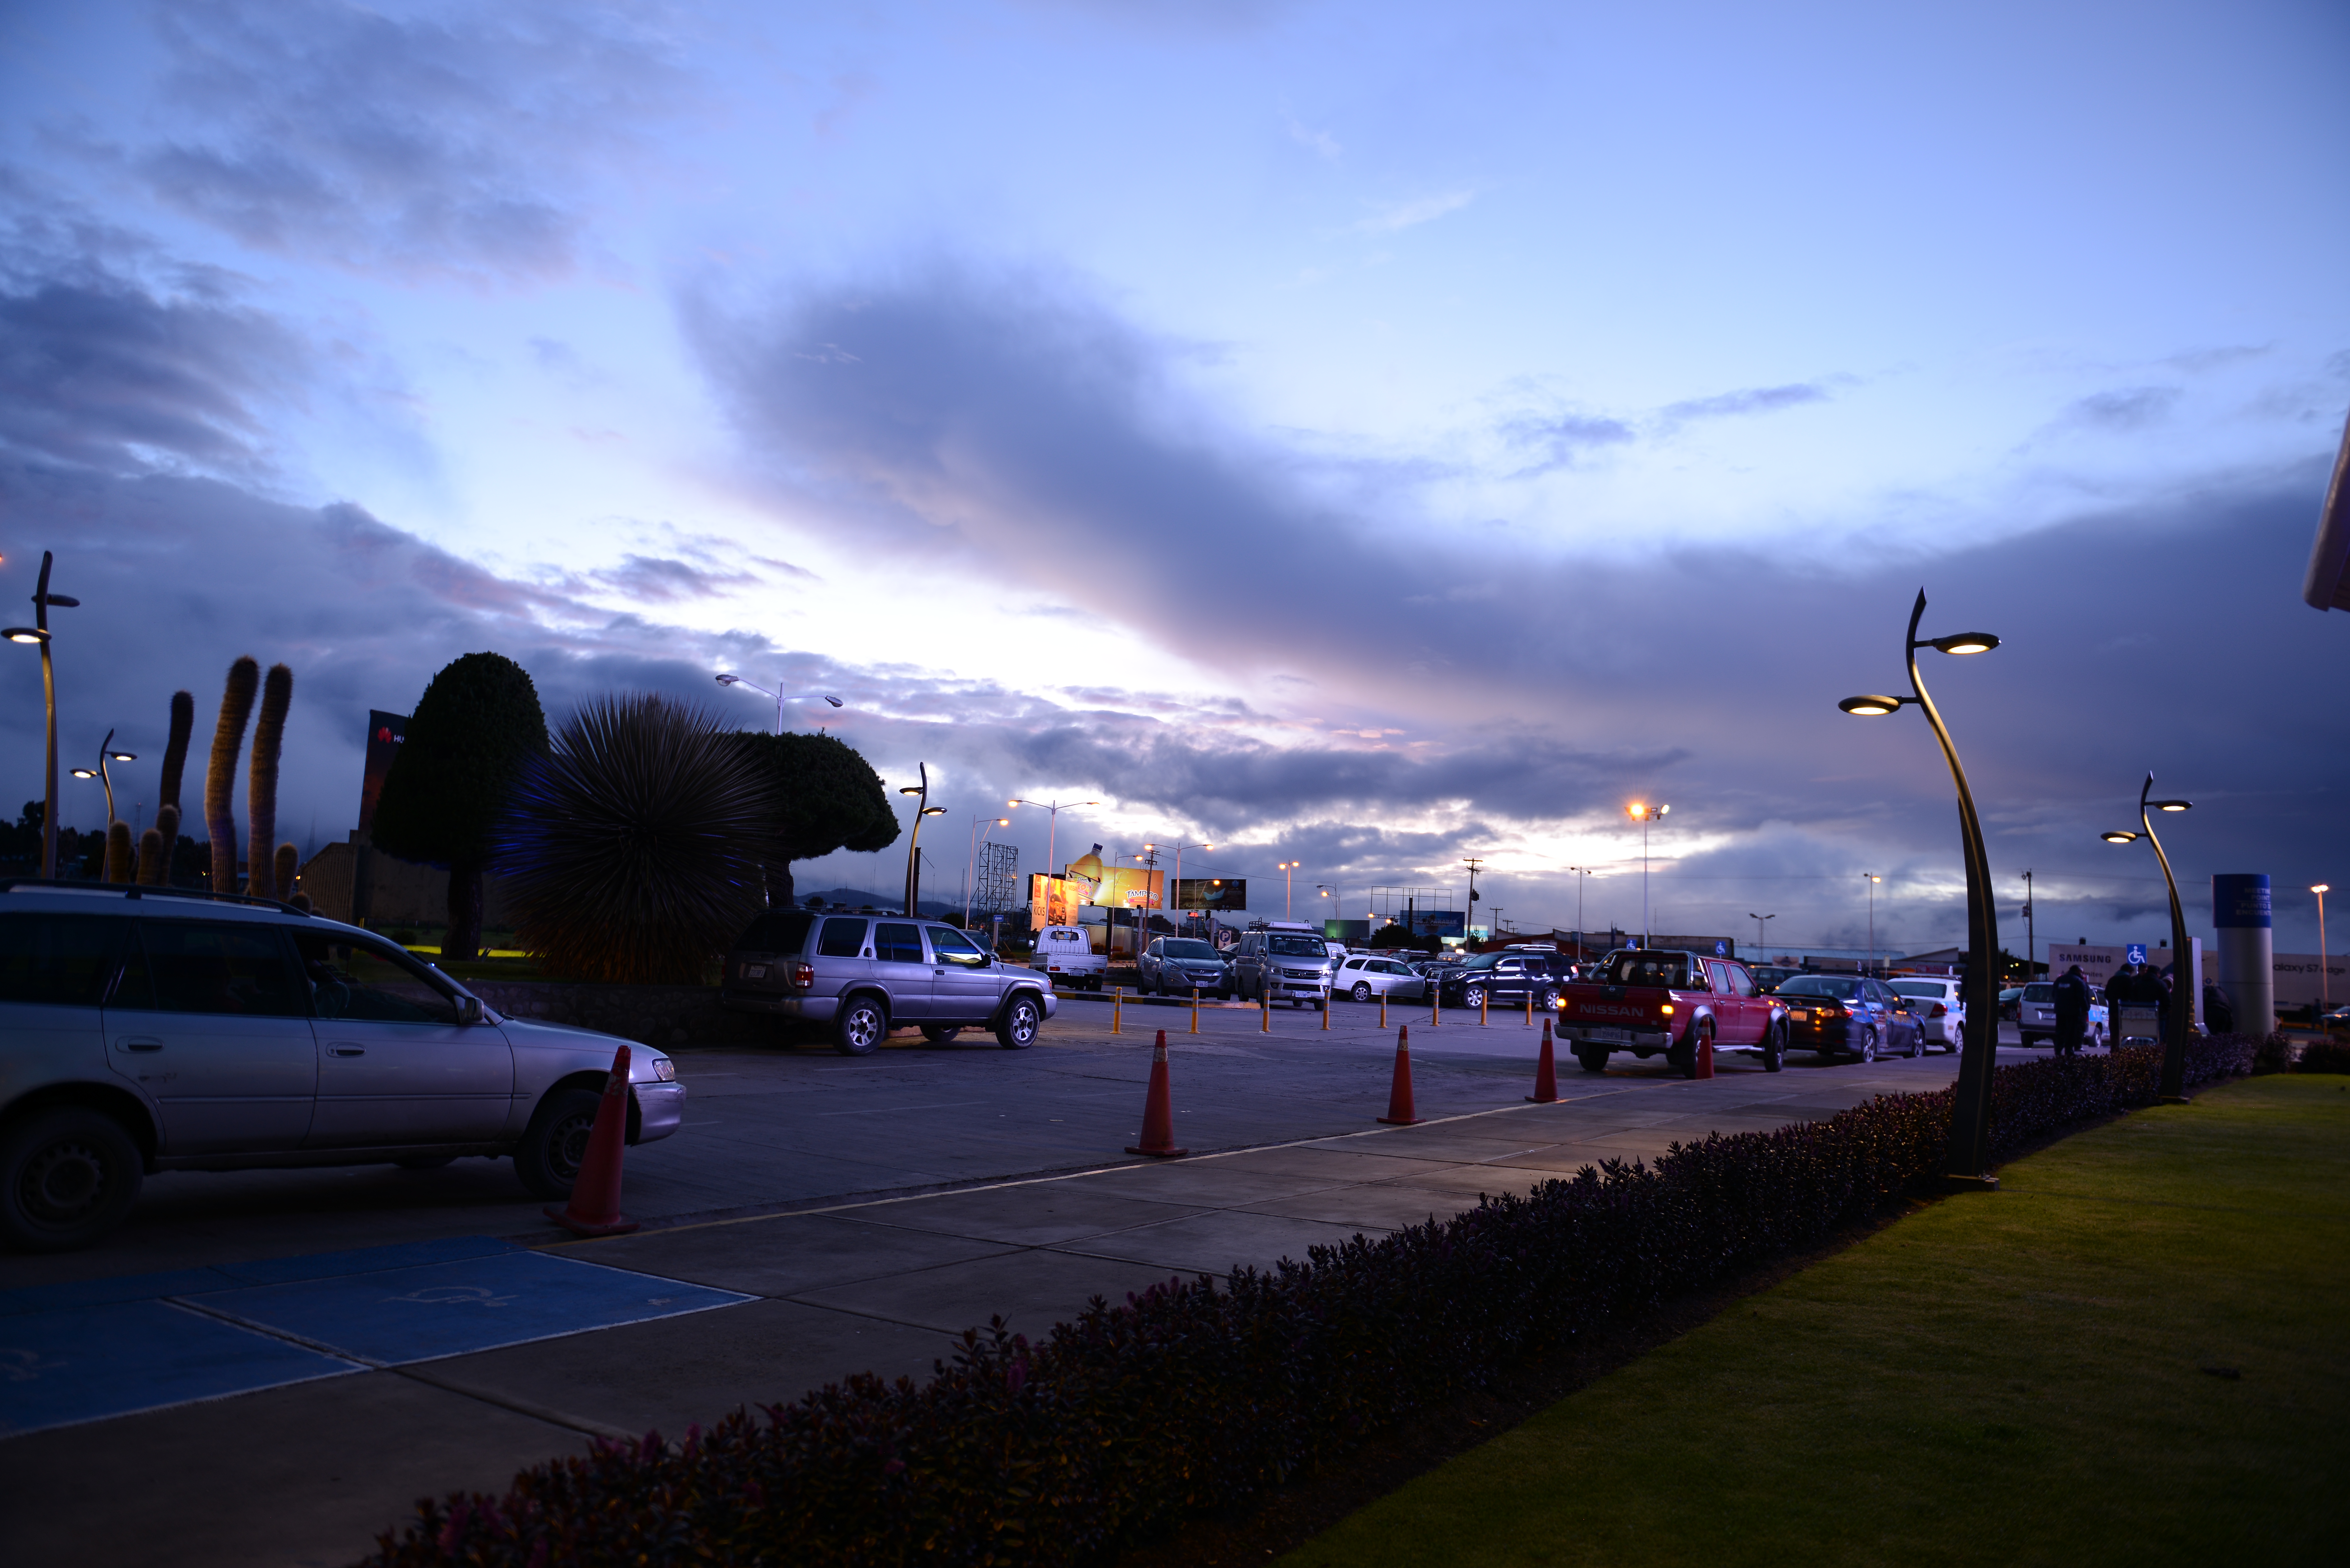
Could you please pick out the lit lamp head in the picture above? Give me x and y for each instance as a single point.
(1872, 706)
(934, 811)
(2118, 836)
(2170, 805)
(122, 756)
(32, 634)
(85, 773)
(1641, 811)
(1964, 642)
(2320, 886)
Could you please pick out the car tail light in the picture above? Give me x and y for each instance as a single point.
(804, 975)
(1939, 1009)
(1831, 1010)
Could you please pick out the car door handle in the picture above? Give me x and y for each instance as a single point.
(140, 1042)
(346, 1050)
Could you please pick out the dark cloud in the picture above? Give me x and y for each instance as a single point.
(1748, 401)
(2125, 408)
(1561, 441)
(451, 144)
(656, 580)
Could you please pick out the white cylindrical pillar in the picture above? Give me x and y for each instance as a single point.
(2239, 922)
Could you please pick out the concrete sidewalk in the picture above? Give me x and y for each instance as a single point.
(307, 1473)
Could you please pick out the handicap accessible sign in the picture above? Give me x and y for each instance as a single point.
(2134, 953)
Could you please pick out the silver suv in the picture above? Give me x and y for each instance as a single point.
(1289, 961)
(145, 1029)
(862, 975)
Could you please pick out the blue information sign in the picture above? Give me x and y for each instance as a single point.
(2134, 953)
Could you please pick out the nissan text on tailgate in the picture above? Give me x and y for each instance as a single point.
(1651, 1000)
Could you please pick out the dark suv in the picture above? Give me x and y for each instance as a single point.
(860, 976)
(1505, 978)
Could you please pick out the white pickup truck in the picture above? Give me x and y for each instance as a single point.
(1064, 953)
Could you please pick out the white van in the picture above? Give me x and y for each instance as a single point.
(1065, 954)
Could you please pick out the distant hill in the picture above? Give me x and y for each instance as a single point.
(881, 903)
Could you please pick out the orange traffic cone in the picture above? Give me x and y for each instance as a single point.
(1399, 1111)
(1545, 1074)
(595, 1209)
(1704, 1056)
(1157, 1110)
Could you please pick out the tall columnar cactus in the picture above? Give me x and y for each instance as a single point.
(117, 851)
(175, 762)
(288, 867)
(220, 777)
(261, 785)
(155, 863)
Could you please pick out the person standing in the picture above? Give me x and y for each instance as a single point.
(2071, 998)
(2219, 1013)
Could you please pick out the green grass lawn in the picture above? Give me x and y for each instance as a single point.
(2010, 1378)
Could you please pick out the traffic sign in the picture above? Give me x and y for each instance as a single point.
(2134, 953)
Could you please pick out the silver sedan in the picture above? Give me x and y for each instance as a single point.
(1368, 978)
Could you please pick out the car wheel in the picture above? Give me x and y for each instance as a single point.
(556, 1145)
(424, 1161)
(1593, 1061)
(2028, 1042)
(1017, 1030)
(940, 1033)
(1700, 1039)
(862, 1025)
(1546, 1000)
(1473, 996)
(1774, 1049)
(67, 1176)
(1868, 1045)
(1362, 992)
(1916, 1045)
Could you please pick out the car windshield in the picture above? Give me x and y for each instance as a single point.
(1297, 947)
(1188, 949)
(1821, 985)
(1482, 961)
(2038, 993)
(1931, 989)
(1644, 969)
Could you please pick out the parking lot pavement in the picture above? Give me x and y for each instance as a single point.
(797, 1248)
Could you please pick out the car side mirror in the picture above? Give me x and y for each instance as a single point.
(469, 1009)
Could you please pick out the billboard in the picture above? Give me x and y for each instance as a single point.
(386, 731)
(1053, 901)
(1212, 893)
(1450, 923)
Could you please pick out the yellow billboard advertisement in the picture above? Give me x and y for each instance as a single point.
(1116, 886)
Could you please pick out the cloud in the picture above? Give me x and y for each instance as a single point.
(1319, 142)
(656, 580)
(1559, 441)
(2124, 409)
(1419, 210)
(1747, 400)
(457, 143)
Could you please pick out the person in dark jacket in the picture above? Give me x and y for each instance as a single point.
(2071, 998)
(2219, 1013)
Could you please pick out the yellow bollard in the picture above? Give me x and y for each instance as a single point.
(1435, 1007)
(1482, 1002)
(1195, 1010)
(1264, 1011)
(1116, 1003)
(1530, 1008)
(1383, 1011)
(1325, 1010)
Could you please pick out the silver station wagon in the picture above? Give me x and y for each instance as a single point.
(147, 1029)
(860, 976)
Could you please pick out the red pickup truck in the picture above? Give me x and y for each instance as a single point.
(1646, 1000)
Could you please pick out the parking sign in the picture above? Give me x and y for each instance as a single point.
(2134, 953)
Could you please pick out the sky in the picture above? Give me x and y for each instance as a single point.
(1343, 434)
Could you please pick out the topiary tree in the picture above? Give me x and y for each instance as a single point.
(474, 729)
(632, 851)
(824, 797)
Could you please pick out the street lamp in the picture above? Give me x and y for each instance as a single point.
(1052, 810)
(38, 635)
(1762, 942)
(1645, 813)
(2174, 1024)
(1582, 879)
(2325, 992)
(1286, 869)
(971, 865)
(1873, 881)
(923, 809)
(1970, 1154)
(780, 698)
(107, 753)
(1474, 865)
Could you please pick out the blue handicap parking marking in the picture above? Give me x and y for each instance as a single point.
(64, 1366)
(391, 1316)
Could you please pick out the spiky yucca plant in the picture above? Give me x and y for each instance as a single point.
(220, 778)
(155, 864)
(289, 865)
(261, 785)
(117, 851)
(632, 851)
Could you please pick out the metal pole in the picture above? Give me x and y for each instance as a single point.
(2173, 1090)
(2325, 990)
(49, 701)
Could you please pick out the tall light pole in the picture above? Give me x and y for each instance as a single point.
(2031, 937)
(1873, 881)
(1288, 870)
(1474, 865)
(780, 698)
(1178, 849)
(1582, 879)
(107, 753)
(2325, 992)
(1053, 809)
(1644, 814)
(971, 865)
(2173, 1090)
(1969, 1164)
(923, 809)
(37, 634)
(1761, 943)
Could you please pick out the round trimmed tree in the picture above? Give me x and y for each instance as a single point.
(476, 726)
(824, 796)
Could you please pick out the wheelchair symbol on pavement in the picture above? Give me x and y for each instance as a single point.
(454, 1295)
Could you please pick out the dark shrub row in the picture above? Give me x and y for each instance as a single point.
(1195, 1396)
(2324, 1056)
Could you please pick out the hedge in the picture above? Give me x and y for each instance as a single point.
(1195, 1396)
(2328, 1055)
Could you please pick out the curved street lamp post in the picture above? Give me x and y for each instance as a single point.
(1761, 945)
(923, 809)
(37, 634)
(107, 753)
(2182, 1003)
(1969, 1164)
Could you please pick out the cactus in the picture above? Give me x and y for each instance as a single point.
(261, 785)
(155, 865)
(289, 866)
(117, 851)
(175, 762)
(220, 776)
(151, 856)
